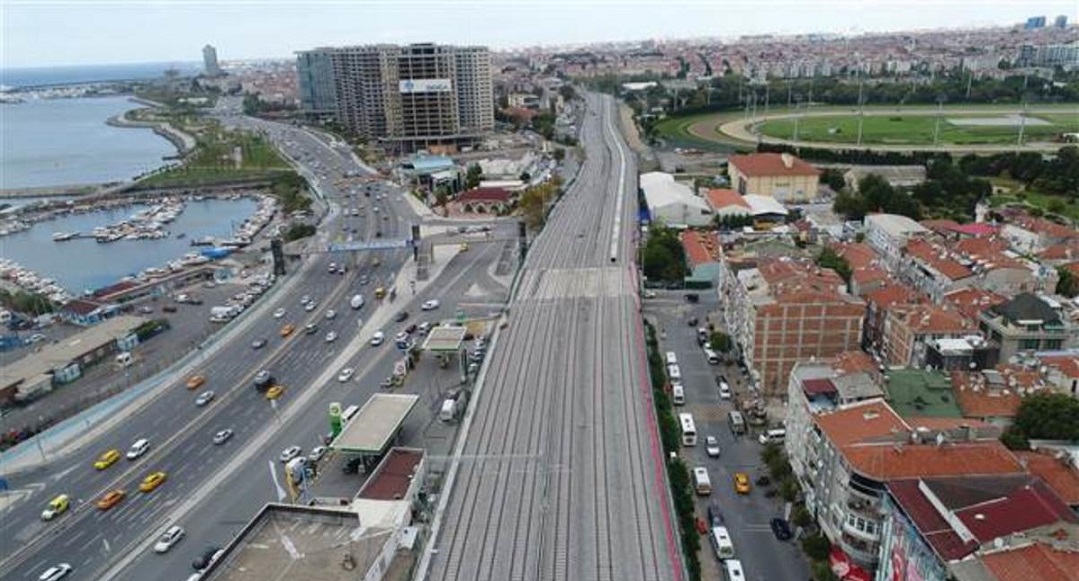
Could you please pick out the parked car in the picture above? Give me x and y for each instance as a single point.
(782, 529)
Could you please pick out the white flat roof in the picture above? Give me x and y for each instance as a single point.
(661, 190)
(375, 424)
(759, 205)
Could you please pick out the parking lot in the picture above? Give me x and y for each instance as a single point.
(746, 516)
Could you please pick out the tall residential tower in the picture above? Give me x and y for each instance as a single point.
(209, 61)
(410, 97)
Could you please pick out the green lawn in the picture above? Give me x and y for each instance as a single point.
(1045, 202)
(214, 160)
(675, 130)
(911, 129)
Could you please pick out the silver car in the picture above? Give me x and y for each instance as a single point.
(204, 398)
(168, 539)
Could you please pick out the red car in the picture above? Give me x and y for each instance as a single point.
(702, 527)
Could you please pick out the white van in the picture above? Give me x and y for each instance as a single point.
(672, 358)
(674, 373)
(737, 422)
(724, 390)
(138, 449)
(721, 543)
(732, 570)
(773, 436)
(124, 359)
(701, 482)
(678, 394)
(712, 356)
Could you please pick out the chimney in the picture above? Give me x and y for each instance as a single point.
(788, 160)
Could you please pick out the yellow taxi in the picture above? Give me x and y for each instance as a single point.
(110, 499)
(196, 381)
(741, 483)
(152, 481)
(380, 292)
(287, 330)
(107, 459)
(275, 392)
(56, 507)
(463, 247)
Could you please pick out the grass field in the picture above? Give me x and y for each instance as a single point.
(213, 160)
(899, 129)
(675, 130)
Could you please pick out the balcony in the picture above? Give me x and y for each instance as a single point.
(863, 554)
(863, 526)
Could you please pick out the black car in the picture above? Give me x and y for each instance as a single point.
(205, 559)
(401, 316)
(715, 517)
(411, 329)
(692, 322)
(782, 529)
(693, 297)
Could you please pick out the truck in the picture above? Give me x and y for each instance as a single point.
(222, 314)
(356, 302)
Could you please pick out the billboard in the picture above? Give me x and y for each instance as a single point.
(426, 86)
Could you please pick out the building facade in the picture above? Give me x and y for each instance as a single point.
(1026, 324)
(411, 97)
(778, 175)
(209, 61)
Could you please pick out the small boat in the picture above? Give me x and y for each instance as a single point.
(181, 235)
(61, 236)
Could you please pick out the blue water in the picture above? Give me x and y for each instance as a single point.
(53, 76)
(86, 264)
(66, 141)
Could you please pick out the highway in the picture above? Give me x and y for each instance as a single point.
(558, 474)
(180, 432)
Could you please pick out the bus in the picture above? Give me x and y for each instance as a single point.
(732, 570)
(346, 416)
(721, 542)
(689, 430)
(701, 482)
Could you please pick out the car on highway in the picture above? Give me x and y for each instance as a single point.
(274, 392)
(400, 316)
(331, 336)
(207, 558)
(346, 374)
(311, 306)
(378, 338)
(317, 453)
(56, 572)
(741, 483)
(263, 379)
(152, 481)
(424, 328)
(222, 436)
(196, 381)
(279, 313)
(711, 445)
(107, 459)
(138, 449)
(287, 330)
(401, 337)
(168, 539)
(781, 529)
(56, 507)
(204, 398)
(305, 299)
(110, 499)
(290, 453)
(463, 247)
(310, 329)
(330, 314)
(430, 305)
(364, 280)
(386, 383)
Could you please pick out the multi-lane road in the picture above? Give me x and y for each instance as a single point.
(559, 472)
(211, 490)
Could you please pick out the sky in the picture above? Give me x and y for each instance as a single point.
(75, 32)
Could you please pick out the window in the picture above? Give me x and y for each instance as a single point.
(1029, 343)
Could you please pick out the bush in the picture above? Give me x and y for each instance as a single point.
(299, 230)
(800, 517)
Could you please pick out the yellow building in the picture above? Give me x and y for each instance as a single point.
(779, 175)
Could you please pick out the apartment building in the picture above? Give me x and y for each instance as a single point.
(888, 235)
(410, 97)
(909, 330)
(781, 312)
(1026, 324)
(778, 175)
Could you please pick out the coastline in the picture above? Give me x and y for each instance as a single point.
(183, 142)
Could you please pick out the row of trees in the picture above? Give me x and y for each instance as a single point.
(664, 258)
(290, 187)
(1056, 175)
(1044, 416)
(25, 302)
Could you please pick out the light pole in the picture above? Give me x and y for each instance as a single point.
(861, 113)
(38, 436)
(940, 111)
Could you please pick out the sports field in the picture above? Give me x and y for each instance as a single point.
(900, 129)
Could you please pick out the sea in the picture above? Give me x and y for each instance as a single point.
(65, 142)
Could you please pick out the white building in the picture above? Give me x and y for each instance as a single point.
(889, 233)
(672, 203)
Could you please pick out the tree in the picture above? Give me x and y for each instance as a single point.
(816, 547)
(1048, 416)
(833, 178)
(473, 176)
(664, 257)
(525, 177)
(299, 230)
(559, 154)
(720, 342)
(1067, 283)
(800, 517)
(829, 259)
(442, 197)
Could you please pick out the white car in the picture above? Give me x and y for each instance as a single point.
(204, 398)
(711, 445)
(138, 449)
(331, 336)
(310, 306)
(291, 453)
(55, 572)
(316, 454)
(330, 314)
(430, 305)
(279, 313)
(305, 299)
(168, 539)
(402, 336)
(378, 338)
(222, 436)
(345, 375)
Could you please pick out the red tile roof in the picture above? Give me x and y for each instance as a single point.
(772, 164)
(977, 229)
(1069, 366)
(889, 462)
(972, 301)
(117, 288)
(484, 195)
(1058, 474)
(869, 421)
(857, 254)
(1065, 251)
(893, 294)
(1023, 509)
(722, 198)
(394, 476)
(854, 362)
(700, 249)
(818, 386)
(938, 258)
(1033, 562)
(869, 274)
(977, 400)
(81, 307)
(932, 319)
